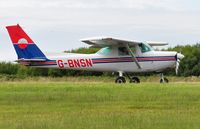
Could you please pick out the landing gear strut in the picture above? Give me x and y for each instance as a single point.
(163, 79)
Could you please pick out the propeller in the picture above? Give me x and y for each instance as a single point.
(178, 56)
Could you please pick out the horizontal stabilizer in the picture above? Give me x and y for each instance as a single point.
(31, 60)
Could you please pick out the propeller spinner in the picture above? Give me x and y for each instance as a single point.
(179, 56)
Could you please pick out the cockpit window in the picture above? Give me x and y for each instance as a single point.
(104, 51)
(123, 51)
(145, 47)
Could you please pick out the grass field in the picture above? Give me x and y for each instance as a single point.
(98, 105)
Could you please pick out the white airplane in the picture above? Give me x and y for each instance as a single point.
(116, 55)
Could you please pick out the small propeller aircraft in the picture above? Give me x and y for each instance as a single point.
(115, 55)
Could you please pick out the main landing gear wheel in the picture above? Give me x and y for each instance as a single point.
(134, 80)
(120, 80)
(164, 80)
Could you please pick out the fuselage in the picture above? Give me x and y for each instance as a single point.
(152, 61)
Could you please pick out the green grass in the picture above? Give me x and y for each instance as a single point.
(107, 79)
(98, 105)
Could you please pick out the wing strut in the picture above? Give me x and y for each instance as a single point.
(133, 56)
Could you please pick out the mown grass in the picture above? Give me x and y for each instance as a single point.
(97, 105)
(107, 79)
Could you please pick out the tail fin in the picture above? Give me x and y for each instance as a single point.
(23, 44)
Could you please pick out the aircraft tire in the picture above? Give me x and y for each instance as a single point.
(120, 80)
(135, 80)
(165, 80)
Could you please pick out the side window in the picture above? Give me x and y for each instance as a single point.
(123, 51)
(144, 48)
(104, 51)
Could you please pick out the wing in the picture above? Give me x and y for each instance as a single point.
(102, 42)
(152, 43)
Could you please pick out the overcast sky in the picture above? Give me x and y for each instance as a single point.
(58, 25)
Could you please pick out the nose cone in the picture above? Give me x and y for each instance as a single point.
(180, 56)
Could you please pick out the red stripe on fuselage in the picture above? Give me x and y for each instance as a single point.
(37, 63)
(126, 59)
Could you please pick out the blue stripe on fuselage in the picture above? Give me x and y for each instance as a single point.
(117, 60)
(129, 59)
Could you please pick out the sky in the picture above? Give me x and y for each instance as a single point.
(58, 25)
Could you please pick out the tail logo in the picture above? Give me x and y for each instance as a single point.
(22, 43)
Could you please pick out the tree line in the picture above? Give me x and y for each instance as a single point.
(189, 66)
